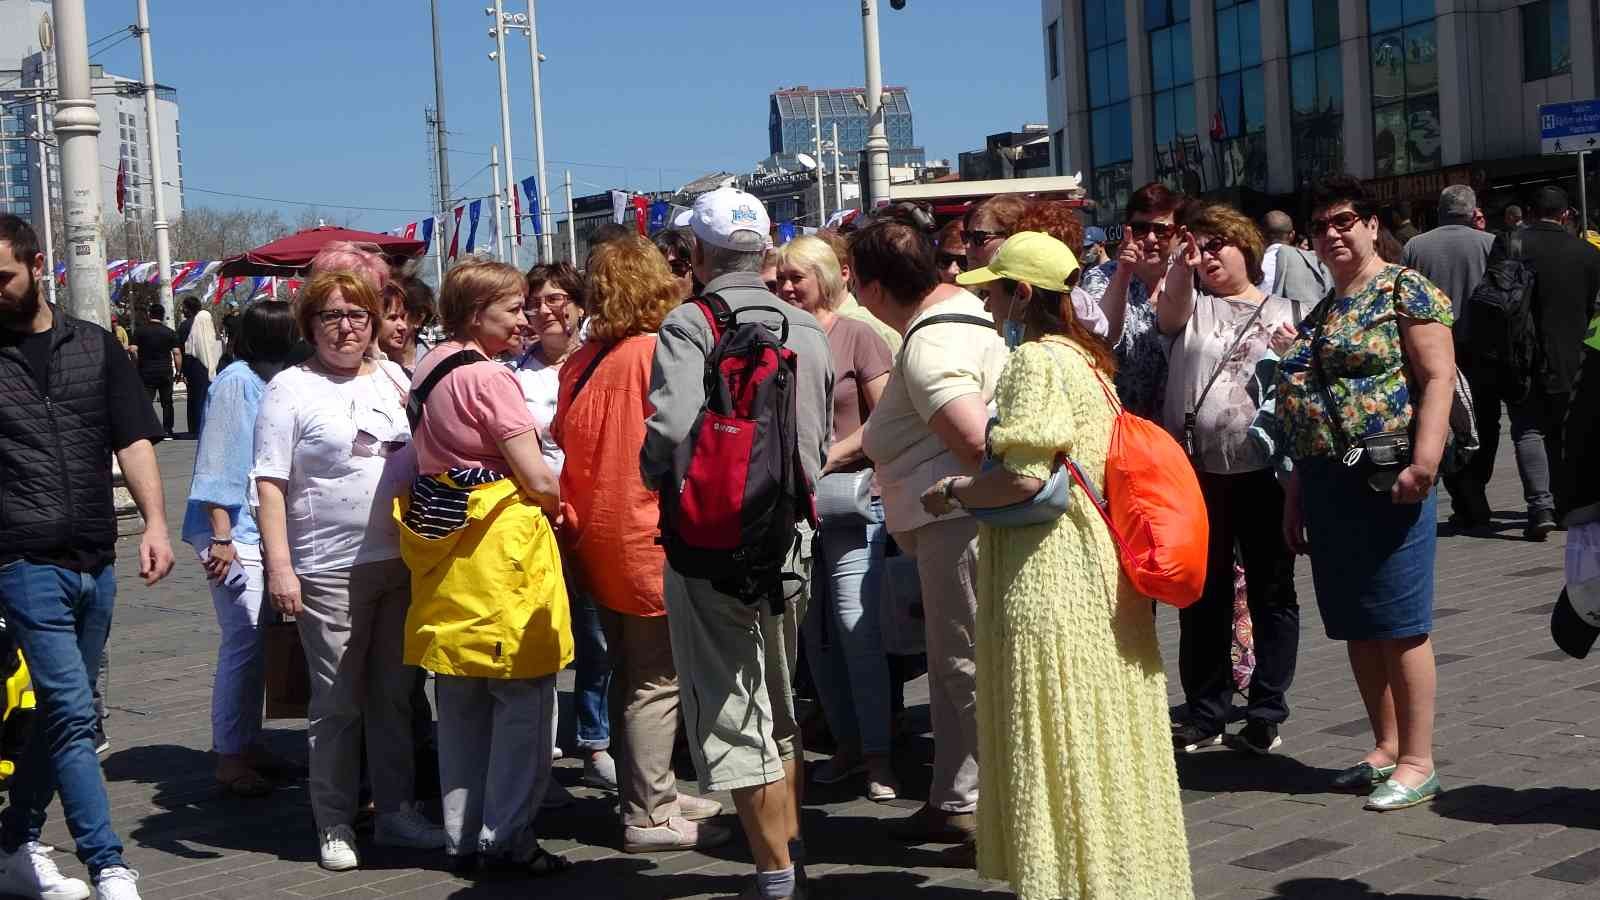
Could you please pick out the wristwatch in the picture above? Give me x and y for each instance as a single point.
(950, 497)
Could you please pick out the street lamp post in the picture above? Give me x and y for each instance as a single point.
(498, 32)
(157, 188)
(822, 182)
(877, 138)
(77, 127)
(547, 253)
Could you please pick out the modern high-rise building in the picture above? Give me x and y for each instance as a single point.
(1261, 96)
(791, 121)
(124, 141)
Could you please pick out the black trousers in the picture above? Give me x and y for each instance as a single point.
(199, 384)
(1245, 512)
(159, 386)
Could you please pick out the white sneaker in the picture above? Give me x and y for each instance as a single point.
(408, 828)
(678, 834)
(338, 853)
(600, 771)
(29, 872)
(118, 883)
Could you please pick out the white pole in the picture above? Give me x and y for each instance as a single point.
(77, 127)
(877, 138)
(547, 252)
(153, 141)
(572, 226)
(838, 196)
(499, 210)
(44, 181)
(505, 124)
(822, 182)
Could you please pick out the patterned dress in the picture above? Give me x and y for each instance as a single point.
(1141, 350)
(1079, 787)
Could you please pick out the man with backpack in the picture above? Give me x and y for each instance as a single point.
(1566, 272)
(735, 468)
(931, 423)
(1454, 257)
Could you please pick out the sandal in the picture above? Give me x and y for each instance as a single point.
(246, 783)
(543, 863)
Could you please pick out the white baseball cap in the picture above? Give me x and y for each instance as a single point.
(720, 215)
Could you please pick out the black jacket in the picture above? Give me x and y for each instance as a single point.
(1582, 497)
(1565, 298)
(55, 447)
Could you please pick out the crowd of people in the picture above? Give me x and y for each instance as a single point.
(470, 491)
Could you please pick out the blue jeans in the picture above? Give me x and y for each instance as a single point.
(593, 676)
(60, 620)
(844, 643)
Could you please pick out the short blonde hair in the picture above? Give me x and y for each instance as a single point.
(356, 289)
(472, 285)
(631, 290)
(815, 256)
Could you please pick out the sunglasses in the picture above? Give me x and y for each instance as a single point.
(1163, 230)
(1213, 246)
(979, 238)
(945, 259)
(1342, 221)
(679, 267)
(552, 302)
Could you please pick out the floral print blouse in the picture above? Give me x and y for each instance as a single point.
(1141, 351)
(1363, 361)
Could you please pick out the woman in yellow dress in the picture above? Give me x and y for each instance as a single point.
(1079, 787)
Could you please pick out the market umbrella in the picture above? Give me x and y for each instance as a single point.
(291, 255)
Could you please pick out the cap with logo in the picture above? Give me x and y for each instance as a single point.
(720, 217)
(1094, 234)
(1031, 257)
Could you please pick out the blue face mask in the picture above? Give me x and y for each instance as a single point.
(1012, 331)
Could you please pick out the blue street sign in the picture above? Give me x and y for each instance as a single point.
(1569, 127)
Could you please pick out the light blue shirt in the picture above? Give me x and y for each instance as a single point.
(226, 453)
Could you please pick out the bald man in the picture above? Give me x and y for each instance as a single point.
(1286, 270)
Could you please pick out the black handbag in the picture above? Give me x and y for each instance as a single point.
(1380, 457)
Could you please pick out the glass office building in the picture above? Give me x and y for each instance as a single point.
(792, 117)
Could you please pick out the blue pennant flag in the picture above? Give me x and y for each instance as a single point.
(786, 232)
(658, 215)
(530, 187)
(472, 233)
(427, 235)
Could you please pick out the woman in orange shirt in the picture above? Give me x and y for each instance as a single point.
(611, 522)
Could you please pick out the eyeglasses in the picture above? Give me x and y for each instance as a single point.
(358, 318)
(552, 302)
(1213, 246)
(945, 259)
(979, 238)
(1342, 221)
(679, 267)
(1162, 230)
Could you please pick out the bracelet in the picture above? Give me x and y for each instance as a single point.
(221, 542)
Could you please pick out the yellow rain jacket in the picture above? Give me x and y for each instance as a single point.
(488, 599)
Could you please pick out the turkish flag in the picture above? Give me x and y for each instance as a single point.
(1219, 130)
(122, 185)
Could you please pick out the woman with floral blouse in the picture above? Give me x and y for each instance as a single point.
(1372, 364)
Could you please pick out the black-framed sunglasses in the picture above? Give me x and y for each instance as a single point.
(1162, 230)
(1214, 246)
(679, 267)
(945, 259)
(1342, 221)
(979, 238)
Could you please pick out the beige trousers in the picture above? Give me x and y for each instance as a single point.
(644, 715)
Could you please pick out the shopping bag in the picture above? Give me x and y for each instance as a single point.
(288, 680)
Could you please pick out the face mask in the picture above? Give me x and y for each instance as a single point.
(1011, 329)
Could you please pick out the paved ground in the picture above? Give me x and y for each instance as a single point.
(1517, 731)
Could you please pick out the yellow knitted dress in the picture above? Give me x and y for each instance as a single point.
(1080, 792)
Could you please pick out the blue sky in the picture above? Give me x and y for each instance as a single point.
(322, 101)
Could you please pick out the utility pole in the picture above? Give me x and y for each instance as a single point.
(572, 226)
(822, 182)
(838, 197)
(77, 128)
(546, 252)
(157, 192)
(499, 56)
(877, 138)
(44, 182)
(499, 218)
(438, 112)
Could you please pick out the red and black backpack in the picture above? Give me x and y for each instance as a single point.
(729, 511)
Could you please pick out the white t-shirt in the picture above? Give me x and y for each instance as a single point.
(541, 386)
(343, 446)
(939, 364)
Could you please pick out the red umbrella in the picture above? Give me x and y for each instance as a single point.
(291, 255)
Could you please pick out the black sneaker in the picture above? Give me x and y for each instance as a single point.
(1257, 737)
(1540, 523)
(1188, 738)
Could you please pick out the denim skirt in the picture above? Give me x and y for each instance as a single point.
(1371, 559)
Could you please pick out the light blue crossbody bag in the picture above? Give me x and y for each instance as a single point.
(1046, 506)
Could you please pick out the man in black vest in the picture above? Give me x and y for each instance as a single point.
(69, 398)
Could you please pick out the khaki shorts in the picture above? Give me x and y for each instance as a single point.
(735, 667)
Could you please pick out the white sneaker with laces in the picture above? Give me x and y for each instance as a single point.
(28, 871)
(118, 883)
(408, 828)
(338, 849)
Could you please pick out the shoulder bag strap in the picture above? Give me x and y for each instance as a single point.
(419, 394)
(1227, 354)
(947, 318)
(588, 371)
(1320, 314)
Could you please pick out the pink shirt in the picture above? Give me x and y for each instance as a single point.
(468, 415)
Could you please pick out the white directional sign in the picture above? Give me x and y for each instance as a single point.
(1570, 127)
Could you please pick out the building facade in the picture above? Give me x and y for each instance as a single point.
(1265, 95)
(791, 120)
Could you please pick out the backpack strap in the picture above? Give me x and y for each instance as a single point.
(947, 318)
(719, 316)
(419, 394)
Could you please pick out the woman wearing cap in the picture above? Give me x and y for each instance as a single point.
(1072, 708)
(1218, 335)
(848, 665)
(1373, 363)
